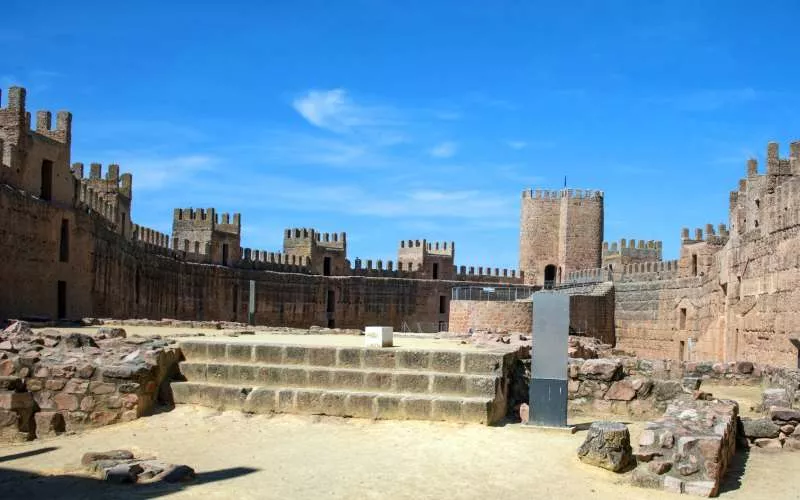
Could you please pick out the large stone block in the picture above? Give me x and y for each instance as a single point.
(446, 361)
(414, 360)
(608, 445)
(349, 357)
(360, 405)
(242, 353)
(260, 400)
(412, 382)
(600, 369)
(348, 379)
(417, 408)
(379, 358)
(322, 356)
(269, 354)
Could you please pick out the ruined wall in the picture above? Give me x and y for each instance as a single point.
(495, 316)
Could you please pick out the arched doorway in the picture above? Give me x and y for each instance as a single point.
(549, 275)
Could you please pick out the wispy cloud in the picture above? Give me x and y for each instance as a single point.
(445, 149)
(517, 144)
(334, 110)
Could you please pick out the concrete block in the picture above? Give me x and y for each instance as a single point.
(417, 408)
(477, 410)
(322, 356)
(482, 385)
(285, 400)
(379, 381)
(481, 362)
(243, 374)
(333, 403)
(360, 405)
(195, 372)
(242, 353)
(348, 357)
(269, 354)
(388, 407)
(414, 360)
(378, 336)
(374, 358)
(446, 409)
(260, 400)
(296, 377)
(412, 382)
(294, 355)
(268, 375)
(217, 373)
(194, 351)
(308, 401)
(232, 397)
(449, 384)
(348, 379)
(444, 361)
(215, 351)
(320, 378)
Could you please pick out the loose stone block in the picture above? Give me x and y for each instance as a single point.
(378, 336)
(607, 445)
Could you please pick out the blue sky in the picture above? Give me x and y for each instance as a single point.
(397, 120)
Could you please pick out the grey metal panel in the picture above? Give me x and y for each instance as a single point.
(548, 402)
(550, 335)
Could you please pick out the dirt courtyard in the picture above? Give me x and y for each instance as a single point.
(291, 456)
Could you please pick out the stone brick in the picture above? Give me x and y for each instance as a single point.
(294, 355)
(239, 353)
(68, 402)
(49, 424)
(379, 381)
(379, 358)
(388, 407)
(99, 388)
(270, 354)
(449, 384)
(360, 405)
(347, 357)
(322, 356)
(418, 408)
(260, 400)
(411, 382)
(445, 361)
(348, 379)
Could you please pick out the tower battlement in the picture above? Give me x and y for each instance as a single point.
(301, 236)
(544, 194)
(718, 236)
(209, 219)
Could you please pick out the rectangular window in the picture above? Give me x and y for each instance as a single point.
(435, 271)
(681, 351)
(46, 191)
(694, 265)
(442, 304)
(326, 266)
(683, 319)
(331, 302)
(63, 243)
(224, 254)
(235, 299)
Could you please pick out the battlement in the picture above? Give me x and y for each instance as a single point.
(543, 194)
(112, 182)
(376, 269)
(15, 116)
(495, 275)
(648, 271)
(442, 248)
(624, 245)
(150, 237)
(302, 236)
(273, 261)
(207, 218)
(593, 275)
(93, 200)
(718, 237)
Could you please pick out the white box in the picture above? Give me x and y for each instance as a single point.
(378, 336)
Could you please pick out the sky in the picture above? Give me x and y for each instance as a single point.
(395, 120)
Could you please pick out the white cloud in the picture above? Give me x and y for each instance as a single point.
(335, 111)
(517, 144)
(153, 172)
(445, 149)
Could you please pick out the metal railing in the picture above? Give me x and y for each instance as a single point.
(492, 293)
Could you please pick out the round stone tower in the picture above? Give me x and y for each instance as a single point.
(560, 231)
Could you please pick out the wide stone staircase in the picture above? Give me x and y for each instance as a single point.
(378, 383)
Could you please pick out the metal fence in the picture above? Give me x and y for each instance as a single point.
(505, 293)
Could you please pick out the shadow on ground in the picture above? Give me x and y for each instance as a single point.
(25, 484)
(733, 476)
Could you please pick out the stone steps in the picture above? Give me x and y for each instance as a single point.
(374, 405)
(388, 383)
(357, 379)
(444, 361)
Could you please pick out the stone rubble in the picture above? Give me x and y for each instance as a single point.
(607, 445)
(52, 382)
(120, 466)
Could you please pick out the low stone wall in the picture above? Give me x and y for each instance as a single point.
(52, 382)
(486, 315)
(689, 449)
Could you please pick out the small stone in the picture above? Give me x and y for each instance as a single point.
(86, 371)
(78, 340)
(123, 473)
(600, 369)
(621, 390)
(524, 413)
(55, 384)
(35, 384)
(90, 457)
(784, 415)
(691, 383)
(11, 384)
(659, 466)
(744, 367)
(687, 469)
(65, 401)
(665, 390)
(111, 333)
(176, 474)
(49, 423)
(760, 428)
(788, 429)
(102, 388)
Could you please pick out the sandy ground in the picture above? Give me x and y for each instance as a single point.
(290, 456)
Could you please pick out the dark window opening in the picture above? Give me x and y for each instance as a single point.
(62, 300)
(694, 265)
(681, 349)
(46, 192)
(549, 275)
(137, 286)
(326, 266)
(683, 319)
(330, 302)
(724, 289)
(758, 203)
(235, 299)
(331, 323)
(443, 326)
(442, 304)
(224, 254)
(435, 271)
(756, 222)
(63, 244)
(197, 247)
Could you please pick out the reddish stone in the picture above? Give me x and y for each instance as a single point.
(41, 372)
(102, 388)
(76, 387)
(104, 417)
(87, 404)
(55, 384)
(10, 400)
(86, 371)
(65, 401)
(659, 466)
(130, 401)
(129, 415)
(49, 423)
(7, 367)
(621, 390)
